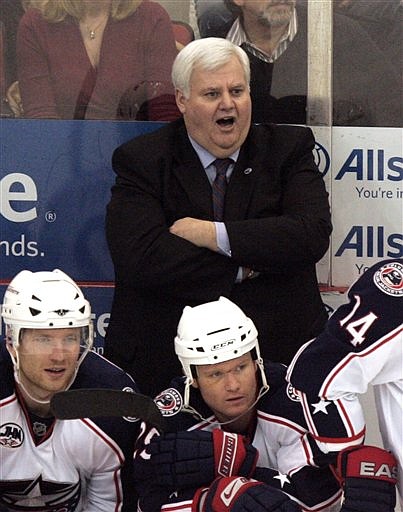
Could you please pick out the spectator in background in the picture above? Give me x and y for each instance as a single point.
(96, 59)
(11, 12)
(2, 68)
(171, 248)
(366, 89)
(210, 16)
(46, 463)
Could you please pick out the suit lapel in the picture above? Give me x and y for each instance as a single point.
(192, 176)
(243, 181)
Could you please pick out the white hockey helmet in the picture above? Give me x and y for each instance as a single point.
(212, 333)
(45, 300)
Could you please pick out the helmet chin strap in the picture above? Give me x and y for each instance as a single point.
(26, 392)
(38, 400)
(187, 408)
(16, 363)
(262, 391)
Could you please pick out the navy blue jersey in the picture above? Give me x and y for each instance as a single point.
(286, 460)
(360, 346)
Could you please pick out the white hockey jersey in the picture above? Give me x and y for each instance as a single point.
(65, 465)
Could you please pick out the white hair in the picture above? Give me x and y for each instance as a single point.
(209, 53)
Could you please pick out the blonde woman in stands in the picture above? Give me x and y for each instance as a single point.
(96, 59)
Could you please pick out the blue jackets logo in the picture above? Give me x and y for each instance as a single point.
(169, 402)
(389, 279)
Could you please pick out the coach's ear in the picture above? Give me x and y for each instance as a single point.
(181, 101)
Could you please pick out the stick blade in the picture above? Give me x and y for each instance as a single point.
(89, 403)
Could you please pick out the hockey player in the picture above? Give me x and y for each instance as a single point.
(362, 345)
(47, 464)
(235, 435)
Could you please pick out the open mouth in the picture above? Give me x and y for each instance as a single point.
(226, 121)
(54, 371)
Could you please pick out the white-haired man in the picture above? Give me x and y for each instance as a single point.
(212, 205)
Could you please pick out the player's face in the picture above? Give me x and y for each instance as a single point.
(48, 359)
(217, 112)
(228, 388)
(269, 13)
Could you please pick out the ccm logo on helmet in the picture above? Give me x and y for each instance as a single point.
(370, 469)
(224, 344)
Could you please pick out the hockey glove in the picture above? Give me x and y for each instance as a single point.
(369, 478)
(195, 458)
(238, 494)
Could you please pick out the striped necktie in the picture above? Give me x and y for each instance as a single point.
(219, 186)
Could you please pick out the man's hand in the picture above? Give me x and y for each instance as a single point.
(14, 99)
(239, 494)
(369, 477)
(191, 459)
(199, 232)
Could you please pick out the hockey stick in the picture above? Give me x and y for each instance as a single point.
(88, 403)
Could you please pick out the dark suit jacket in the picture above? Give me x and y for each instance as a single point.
(278, 222)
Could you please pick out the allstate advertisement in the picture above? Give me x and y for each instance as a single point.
(366, 199)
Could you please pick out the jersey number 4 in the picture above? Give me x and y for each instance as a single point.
(358, 328)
